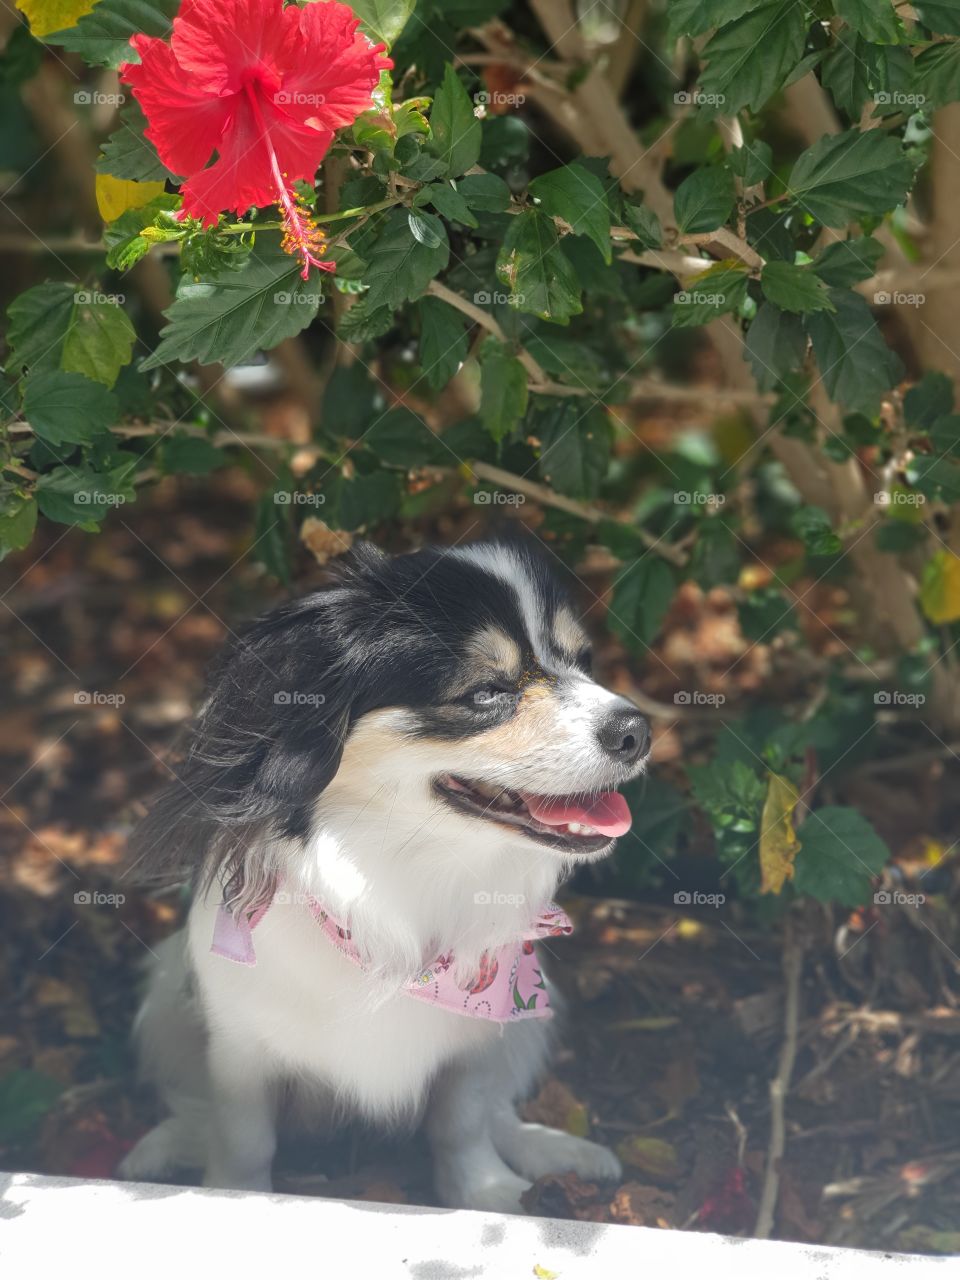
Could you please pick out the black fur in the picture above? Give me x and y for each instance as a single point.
(383, 633)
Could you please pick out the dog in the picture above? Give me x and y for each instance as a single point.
(386, 784)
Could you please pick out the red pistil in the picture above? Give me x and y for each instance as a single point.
(302, 238)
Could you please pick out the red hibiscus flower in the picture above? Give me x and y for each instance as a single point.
(264, 87)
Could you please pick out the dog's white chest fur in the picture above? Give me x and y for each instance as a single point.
(326, 1020)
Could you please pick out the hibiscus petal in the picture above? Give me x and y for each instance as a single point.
(228, 42)
(186, 123)
(336, 68)
(242, 175)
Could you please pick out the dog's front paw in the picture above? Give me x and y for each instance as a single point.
(465, 1185)
(544, 1151)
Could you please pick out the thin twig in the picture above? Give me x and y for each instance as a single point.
(780, 1084)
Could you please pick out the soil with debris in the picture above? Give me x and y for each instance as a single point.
(676, 1019)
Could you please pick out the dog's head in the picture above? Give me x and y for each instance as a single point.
(456, 681)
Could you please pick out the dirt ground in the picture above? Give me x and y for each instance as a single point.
(678, 1018)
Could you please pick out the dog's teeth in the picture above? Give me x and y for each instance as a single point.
(574, 828)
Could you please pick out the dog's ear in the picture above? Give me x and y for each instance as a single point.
(267, 741)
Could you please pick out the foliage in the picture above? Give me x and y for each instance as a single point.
(465, 252)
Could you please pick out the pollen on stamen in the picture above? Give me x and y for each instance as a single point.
(302, 238)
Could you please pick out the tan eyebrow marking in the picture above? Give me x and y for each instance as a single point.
(494, 647)
(568, 635)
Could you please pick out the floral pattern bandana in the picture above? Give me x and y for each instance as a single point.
(508, 987)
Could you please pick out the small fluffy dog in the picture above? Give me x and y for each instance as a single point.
(386, 784)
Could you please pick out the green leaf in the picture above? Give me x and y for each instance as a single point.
(83, 496)
(230, 315)
(763, 613)
(401, 439)
(717, 292)
(399, 266)
(752, 163)
(182, 454)
(455, 132)
(485, 192)
(448, 201)
(930, 399)
(574, 194)
(503, 390)
(272, 535)
(536, 271)
(642, 594)
(704, 200)
(794, 288)
(25, 1098)
(855, 71)
(945, 435)
(847, 262)
(128, 154)
(875, 20)
(574, 449)
(443, 341)
(384, 18)
(938, 73)
(749, 59)
(644, 223)
(775, 345)
(812, 524)
(67, 408)
(18, 520)
(856, 364)
(55, 326)
(427, 229)
(840, 853)
(942, 16)
(694, 17)
(103, 36)
(851, 175)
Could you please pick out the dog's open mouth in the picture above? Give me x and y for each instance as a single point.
(576, 824)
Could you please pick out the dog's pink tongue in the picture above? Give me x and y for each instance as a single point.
(607, 813)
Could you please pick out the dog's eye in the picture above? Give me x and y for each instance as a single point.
(489, 696)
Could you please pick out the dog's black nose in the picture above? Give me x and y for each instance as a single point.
(625, 734)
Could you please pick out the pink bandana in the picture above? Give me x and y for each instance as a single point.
(508, 986)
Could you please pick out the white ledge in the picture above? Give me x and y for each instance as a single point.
(59, 1227)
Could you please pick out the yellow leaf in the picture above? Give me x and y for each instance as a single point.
(543, 1274)
(652, 1156)
(54, 15)
(117, 195)
(940, 587)
(778, 840)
